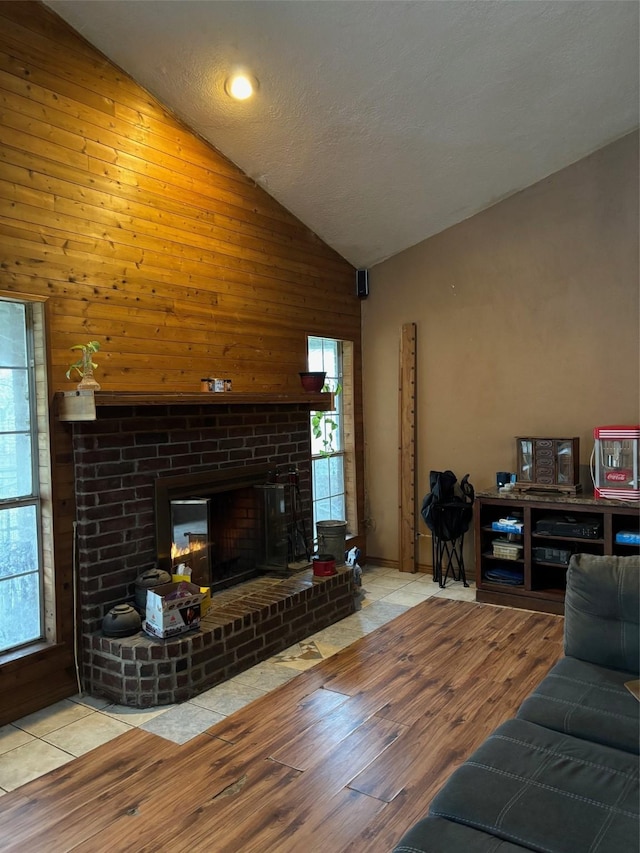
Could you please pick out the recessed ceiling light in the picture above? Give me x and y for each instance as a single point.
(241, 85)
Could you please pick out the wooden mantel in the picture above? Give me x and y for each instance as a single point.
(82, 405)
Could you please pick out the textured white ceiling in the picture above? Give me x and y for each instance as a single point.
(381, 122)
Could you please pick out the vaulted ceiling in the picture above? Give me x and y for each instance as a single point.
(381, 122)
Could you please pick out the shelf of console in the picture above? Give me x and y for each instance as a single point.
(542, 577)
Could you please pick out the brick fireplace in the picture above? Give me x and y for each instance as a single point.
(118, 459)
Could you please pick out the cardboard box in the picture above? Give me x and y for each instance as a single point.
(205, 604)
(167, 616)
(176, 578)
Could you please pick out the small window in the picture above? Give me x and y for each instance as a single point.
(327, 435)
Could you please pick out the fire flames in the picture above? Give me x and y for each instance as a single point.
(177, 552)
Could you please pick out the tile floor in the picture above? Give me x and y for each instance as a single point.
(40, 742)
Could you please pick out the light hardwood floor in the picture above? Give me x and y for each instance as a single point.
(341, 759)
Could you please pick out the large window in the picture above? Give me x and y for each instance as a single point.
(327, 435)
(21, 611)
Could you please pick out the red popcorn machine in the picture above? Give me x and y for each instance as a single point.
(616, 462)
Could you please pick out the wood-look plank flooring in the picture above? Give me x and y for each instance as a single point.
(341, 759)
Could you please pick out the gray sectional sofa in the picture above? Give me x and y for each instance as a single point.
(562, 777)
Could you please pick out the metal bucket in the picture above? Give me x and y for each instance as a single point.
(332, 538)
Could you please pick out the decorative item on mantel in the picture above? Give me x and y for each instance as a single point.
(80, 405)
(313, 380)
(85, 366)
(216, 385)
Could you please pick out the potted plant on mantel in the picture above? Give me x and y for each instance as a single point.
(85, 366)
(313, 380)
(80, 405)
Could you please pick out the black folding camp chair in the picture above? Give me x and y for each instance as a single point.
(447, 511)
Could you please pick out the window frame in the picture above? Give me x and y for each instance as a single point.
(346, 447)
(41, 489)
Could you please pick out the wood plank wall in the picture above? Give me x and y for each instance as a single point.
(142, 236)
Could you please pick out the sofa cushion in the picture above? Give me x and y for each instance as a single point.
(588, 701)
(602, 612)
(436, 835)
(546, 791)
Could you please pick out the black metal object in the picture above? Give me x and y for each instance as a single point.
(447, 511)
(298, 543)
(447, 553)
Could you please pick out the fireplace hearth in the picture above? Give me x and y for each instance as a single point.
(246, 624)
(119, 460)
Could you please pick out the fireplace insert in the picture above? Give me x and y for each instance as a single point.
(230, 525)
